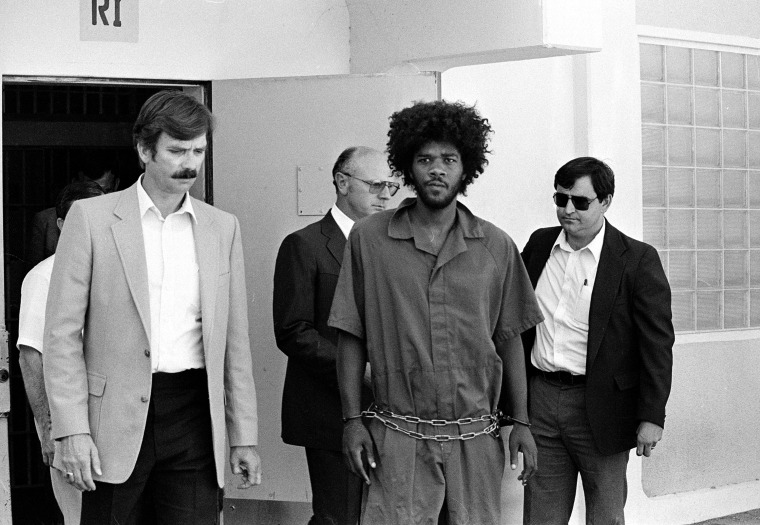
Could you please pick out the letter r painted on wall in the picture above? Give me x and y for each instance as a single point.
(109, 20)
(103, 9)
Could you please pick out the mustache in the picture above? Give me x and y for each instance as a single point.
(435, 180)
(186, 173)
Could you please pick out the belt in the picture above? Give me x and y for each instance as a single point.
(564, 378)
(191, 379)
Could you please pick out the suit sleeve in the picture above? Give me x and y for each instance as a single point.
(293, 304)
(529, 335)
(653, 320)
(67, 302)
(239, 387)
(527, 250)
(347, 312)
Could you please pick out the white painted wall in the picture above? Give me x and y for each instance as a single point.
(548, 111)
(730, 17)
(180, 39)
(533, 135)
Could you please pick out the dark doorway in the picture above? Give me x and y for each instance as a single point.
(50, 130)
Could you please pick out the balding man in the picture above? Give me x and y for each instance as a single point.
(306, 273)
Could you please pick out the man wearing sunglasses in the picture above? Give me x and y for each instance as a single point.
(599, 365)
(306, 272)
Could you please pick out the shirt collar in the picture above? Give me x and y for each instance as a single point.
(146, 203)
(344, 221)
(400, 226)
(595, 246)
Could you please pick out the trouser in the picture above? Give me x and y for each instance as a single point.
(174, 479)
(69, 498)
(566, 448)
(415, 479)
(336, 492)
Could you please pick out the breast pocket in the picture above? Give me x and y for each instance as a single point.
(583, 305)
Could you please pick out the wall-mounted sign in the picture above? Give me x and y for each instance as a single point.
(109, 20)
(315, 193)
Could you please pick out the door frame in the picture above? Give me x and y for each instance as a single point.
(201, 90)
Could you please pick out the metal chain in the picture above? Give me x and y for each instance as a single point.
(491, 429)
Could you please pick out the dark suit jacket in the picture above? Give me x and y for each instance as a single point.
(305, 276)
(630, 340)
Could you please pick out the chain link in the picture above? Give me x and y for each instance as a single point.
(492, 429)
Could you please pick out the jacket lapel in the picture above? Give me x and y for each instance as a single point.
(128, 237)
(207, 251)
(540, 254)
(612, 262)
(336, 242)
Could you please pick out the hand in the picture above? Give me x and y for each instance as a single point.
(357, 441)
(79, 457)
(48, 447)
(246, 461)
(521, 440)
(647, 437)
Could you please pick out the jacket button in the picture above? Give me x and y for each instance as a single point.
(147, 352)
(144, 399)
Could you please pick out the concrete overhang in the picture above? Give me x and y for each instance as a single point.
(435, 35)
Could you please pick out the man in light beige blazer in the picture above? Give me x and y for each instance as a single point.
(147, 351)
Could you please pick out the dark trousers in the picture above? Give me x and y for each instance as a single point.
(565, 449)
(336, 493)
(174, 480)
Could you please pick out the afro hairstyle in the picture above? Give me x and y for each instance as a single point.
(453, 122)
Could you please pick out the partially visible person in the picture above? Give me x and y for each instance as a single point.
(140, 401)
(436, 299)
(31, 326)
(306, 272)
(100, 168)
(600, 364)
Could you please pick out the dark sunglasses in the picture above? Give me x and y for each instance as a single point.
(378, 186)
(579, 203)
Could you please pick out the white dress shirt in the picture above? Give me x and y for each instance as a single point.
(345, 223)
(176, 334)
(31, 315)
(564, 296)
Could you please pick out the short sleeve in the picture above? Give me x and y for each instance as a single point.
(348, 303)
(519, 308)
(31, 323)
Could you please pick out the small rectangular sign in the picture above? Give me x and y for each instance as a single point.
(109, 20)
(315, 192)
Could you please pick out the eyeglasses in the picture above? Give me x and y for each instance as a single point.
(579, 203)
(377, 186)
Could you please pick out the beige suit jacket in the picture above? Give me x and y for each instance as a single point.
(97, 329)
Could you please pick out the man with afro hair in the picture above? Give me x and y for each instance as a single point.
(435, 299)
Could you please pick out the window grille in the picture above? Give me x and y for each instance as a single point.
(700, 112)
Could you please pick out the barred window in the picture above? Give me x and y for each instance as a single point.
(700, 113)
